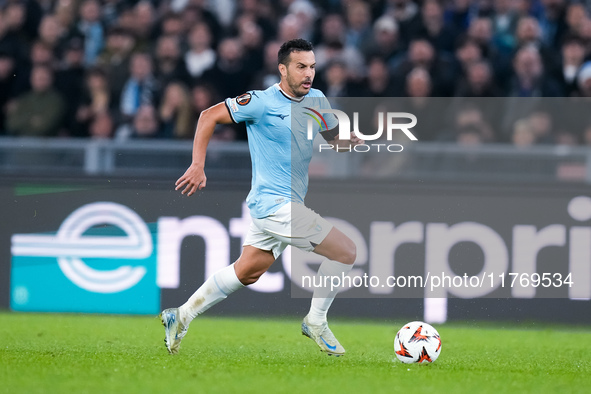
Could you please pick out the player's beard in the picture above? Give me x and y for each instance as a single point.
(296, 86)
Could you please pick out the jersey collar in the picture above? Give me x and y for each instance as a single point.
(296, 99)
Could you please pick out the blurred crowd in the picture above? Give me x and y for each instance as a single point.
(125, 69)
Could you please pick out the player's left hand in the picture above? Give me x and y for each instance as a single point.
(356, 140)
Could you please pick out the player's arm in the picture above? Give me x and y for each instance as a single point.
(332, 137)
(194, 178)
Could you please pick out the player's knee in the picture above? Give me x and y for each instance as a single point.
(349, 252)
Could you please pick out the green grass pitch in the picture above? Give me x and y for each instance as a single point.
(54, 353)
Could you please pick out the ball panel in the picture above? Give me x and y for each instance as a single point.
(402, 353)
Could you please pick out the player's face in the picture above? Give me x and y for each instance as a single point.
(300, 72)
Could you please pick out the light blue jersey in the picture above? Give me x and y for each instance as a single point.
(280, 149)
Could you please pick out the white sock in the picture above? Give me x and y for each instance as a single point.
(323, 296)
(215, 289)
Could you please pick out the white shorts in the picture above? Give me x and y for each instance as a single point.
(292, 224)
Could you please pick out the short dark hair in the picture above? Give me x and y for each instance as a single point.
(295, 45)
(571, 38)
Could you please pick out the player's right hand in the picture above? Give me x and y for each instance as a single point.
(192, 180)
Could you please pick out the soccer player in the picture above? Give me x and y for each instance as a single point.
(280, 159)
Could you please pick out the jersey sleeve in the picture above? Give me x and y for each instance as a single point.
(331, 119)
(246, 107)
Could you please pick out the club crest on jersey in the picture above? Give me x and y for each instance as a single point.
(243, 99)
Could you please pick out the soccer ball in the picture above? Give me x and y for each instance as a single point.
(417, 342)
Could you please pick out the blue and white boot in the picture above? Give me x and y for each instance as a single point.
(323, 337)
(174, 329)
